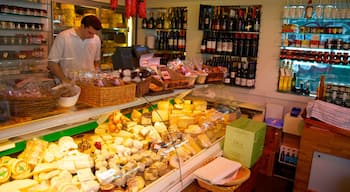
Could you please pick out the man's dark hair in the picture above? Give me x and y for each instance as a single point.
(92, 21)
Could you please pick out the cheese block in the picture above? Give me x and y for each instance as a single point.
(185, 121)
(193, 129)
(200, 105)
(68, 187)
(5, 159)
(18, 166)
(163, 105)
(5, 173)
(204, 140)
(18, 185)
(44, 167)
(160, 115)
(90, 186)
(146, 119)
(85, 175)
(24, 175)
(136, 116)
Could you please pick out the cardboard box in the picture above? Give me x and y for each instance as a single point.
(244, 141)
(293, 125)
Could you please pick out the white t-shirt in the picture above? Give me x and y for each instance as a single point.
(75, 54)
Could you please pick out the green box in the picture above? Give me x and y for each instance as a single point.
(244, 141)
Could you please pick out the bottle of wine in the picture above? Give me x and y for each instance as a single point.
(159, 23)
(170, 40)
(206, 19)
(151, 22)
(294, 83)
(219, 43)
(167, 22)
(233, 72)
(309, 10)
(185, 18)
(231, 23)
(227, 77)
(223, 20)
(248, 24)
(241, 22)
(144, 23)
(229, 44)
(256, 19)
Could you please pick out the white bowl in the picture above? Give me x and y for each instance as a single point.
(70, 101)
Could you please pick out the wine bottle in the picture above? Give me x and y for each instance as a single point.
(294, 83)
(151, 22)
(206, 19)
(170, 40)
(167, 22)
(159, 23)
(233, 72)
(256, 19)
(309, 10)
(144, 23)
(238, 74)
(227, 77)
(185, 18)
(248, 24)
(231, 21)
(229, 44)
(223, 20)
(219, 43)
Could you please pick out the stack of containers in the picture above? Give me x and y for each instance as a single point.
(68, 12)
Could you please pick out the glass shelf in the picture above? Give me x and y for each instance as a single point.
(24, 30)
(315, 49)
(22, 15)
(115, 29)
(320, 20)
(29, 2)
(222, 31)
(165, 30)
(323, 34)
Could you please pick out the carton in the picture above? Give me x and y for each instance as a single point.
(244, 141)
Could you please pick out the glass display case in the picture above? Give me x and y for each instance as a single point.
(25, 27)
(315, 44)
(115, 32)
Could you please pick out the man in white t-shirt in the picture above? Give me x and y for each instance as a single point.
(76, 50)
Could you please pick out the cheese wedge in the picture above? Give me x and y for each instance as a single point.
(18, 185)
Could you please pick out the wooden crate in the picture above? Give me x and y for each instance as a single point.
(106, 96)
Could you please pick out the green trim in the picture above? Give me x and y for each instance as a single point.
(70, 132)
(20, 146)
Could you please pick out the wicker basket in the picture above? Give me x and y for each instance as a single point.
(28, 106)
(106, 96)
(142, 88)
(215, 77)
(202, 77)
(216, 188)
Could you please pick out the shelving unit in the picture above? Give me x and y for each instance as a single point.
(115, 32)
(312, 47)
(230, 39)
(25, 37)
(166, 32)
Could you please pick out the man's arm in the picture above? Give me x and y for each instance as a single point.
(97, 66)
(56, 70)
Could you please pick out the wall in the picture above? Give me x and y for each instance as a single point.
(268, 56)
